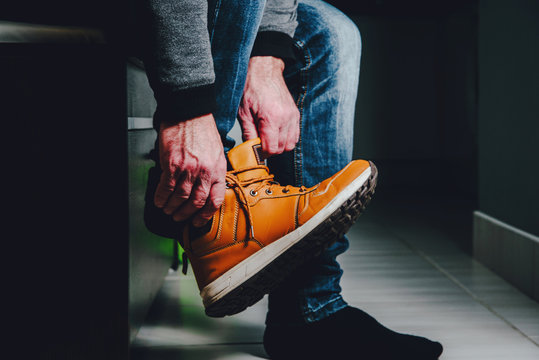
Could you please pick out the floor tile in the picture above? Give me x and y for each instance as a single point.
(407, 274)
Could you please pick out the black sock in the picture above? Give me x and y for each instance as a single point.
(348, 334)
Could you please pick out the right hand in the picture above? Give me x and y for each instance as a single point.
(194, 167)
(267, 109)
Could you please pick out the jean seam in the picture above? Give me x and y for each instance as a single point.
(303, 74)
(216, 14)
(318, 308)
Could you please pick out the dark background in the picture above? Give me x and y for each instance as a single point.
(448, 109)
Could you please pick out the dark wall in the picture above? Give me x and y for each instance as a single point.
(97, 13)
(417, 103)
(509, 112)
(416, 114)
(63, 113)
(448, 100)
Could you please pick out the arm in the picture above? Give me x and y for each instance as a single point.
(179, 65)
(280, 16)
(267, 108)
(177, 57)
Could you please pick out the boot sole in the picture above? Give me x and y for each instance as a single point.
(248, 282)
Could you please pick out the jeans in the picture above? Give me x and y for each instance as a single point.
(324, 82)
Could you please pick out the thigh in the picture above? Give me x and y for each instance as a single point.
(232, 26)
(324, 81)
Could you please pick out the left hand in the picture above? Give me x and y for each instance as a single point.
(267, 109)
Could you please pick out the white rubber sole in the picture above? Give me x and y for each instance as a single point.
(240, 273)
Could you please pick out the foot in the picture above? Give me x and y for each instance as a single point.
(264, 231)
(348, 334)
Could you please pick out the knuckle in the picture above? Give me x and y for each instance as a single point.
(167, 179)
(190, 166)
(173, 162)
(215, 204)
(161, 195)
(181, 195)
(164, 188)
(273, 147)
(207, 168)
(198, 203)
(205, 172)
(184, 188)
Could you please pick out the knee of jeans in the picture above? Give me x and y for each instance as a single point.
(340, 35)
(347, 39)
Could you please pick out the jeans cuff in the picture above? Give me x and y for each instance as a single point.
(324, 311)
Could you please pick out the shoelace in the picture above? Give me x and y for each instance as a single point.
(234, 183)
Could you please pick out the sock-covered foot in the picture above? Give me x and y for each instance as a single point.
(348, 334)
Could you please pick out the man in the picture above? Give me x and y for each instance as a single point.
(288, 71)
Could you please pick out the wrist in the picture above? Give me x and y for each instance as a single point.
(174, 106)
(267, 64)
(202, 119)
(274, 43)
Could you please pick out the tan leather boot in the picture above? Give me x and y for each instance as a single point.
(263, 231)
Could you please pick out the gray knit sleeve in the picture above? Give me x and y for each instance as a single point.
(280, 16)
(178, 56)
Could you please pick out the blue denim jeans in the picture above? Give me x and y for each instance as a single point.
(324, 82)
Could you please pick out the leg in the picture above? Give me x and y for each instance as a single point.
(325, 82)
(307, 316)
(233, 26)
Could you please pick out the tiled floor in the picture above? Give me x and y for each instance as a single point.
(403, 267)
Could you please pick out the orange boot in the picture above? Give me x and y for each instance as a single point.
(263, 231)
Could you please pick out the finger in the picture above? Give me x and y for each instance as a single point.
(196, 201)
(166, 186)
(269, 141)
(293, 135)
(290, 139)
(247, 123)
(214, 202)
(181, 194)
(284, 135)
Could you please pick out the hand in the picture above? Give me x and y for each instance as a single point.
(267, 109)
(194, 168)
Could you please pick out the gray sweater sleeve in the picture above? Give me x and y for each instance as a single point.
(178, 57)
(276, 31)
(280, 16)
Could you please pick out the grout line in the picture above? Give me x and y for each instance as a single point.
(145, 346)
(464, 288)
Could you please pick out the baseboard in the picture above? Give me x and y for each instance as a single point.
(139, 123)
(510, 252)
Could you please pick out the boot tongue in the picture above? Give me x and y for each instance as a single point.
(246, 155)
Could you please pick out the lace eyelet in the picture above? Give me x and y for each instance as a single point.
(253, 193)
(269, 192)
(286, 191)
(228, 185)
